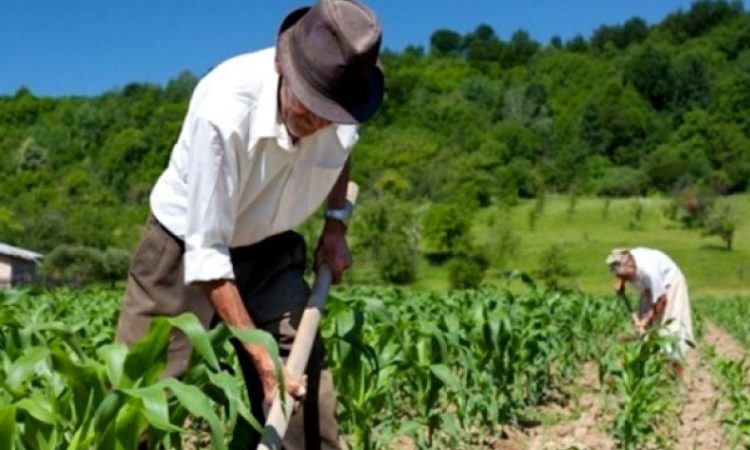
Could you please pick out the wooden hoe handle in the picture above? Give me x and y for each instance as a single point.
(281, 410)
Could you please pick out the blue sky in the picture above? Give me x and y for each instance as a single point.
(86, 47)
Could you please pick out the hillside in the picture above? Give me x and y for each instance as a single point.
(473, 121)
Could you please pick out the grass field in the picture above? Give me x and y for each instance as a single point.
(588, 234)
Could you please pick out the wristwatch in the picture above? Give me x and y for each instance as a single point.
(341, 214)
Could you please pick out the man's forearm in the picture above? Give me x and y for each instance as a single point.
(658, 309)
(654, 312)
(337, 196)
(227, 303)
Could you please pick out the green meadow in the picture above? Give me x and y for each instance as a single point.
(586, 232)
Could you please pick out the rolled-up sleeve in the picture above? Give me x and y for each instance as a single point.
(212, 180)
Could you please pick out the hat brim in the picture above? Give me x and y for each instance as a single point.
(316, 102)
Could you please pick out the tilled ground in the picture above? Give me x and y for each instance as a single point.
(584, 424)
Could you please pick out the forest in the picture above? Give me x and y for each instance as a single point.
(471, 122)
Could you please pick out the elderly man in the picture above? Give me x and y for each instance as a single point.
(664, 292)
(267, 137)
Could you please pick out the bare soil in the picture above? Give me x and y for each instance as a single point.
(584, 424)
(581, 424)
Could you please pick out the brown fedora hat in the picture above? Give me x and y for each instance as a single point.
(328, 54)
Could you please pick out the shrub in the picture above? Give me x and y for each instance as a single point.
(466, 270)
(622, 182)
(554, 267)
(397, 260)
(74, 265)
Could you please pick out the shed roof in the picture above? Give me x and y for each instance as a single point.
(9, 250)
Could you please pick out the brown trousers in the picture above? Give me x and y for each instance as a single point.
(269, 276)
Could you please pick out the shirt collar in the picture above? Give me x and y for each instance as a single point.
(266, 122)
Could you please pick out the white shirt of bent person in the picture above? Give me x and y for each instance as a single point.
(234, 177)
(657, 275)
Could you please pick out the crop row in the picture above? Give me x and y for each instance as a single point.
(443, 369)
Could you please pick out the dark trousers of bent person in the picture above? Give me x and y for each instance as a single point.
(269, 276)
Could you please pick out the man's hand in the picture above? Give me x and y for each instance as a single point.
(333, 250)
(227, 303)
(296, 387)
(640, 326)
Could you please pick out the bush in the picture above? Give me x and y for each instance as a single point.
(397, 260)
(74, 265)
(622, 182)
(386, 231)
(554, 268)
(722, 224)
(691, 206)
(466, 270)
(444, 226)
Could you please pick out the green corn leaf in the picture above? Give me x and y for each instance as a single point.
(444, 374)
(198, 404)
(104, 417)
(7, 427)
(155, 407)
(233, 392)
(147, 358)
(260, 337)
(83, 380)
(114, 361)
(128, 427)
(194, 330)
(26, 367)
(38, 407)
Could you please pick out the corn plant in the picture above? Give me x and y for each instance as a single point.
(638, 373)
(734, 375)
(55, 394)
(447, 368)
(730, 314)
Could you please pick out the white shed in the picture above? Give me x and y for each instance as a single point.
(17, 266)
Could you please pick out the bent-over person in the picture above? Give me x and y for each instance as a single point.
(663, 290)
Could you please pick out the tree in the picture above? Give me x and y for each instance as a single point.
(651, 73)
(445, 42)
(520, 48)
(10, 228)
(31, 156)
(577, 44)
(692, 206)
(723, 224)
(443, 226)
(703, 16)
(692, 83)
(181, 87)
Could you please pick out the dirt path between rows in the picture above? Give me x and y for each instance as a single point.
(700, 418)
(581, 425)
(584, 424)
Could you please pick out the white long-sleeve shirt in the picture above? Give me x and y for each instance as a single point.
(654, 272)
(234, 177)
(657, 275)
